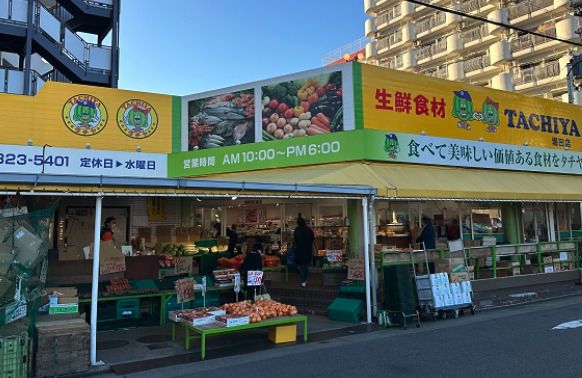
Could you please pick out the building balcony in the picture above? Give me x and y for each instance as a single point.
(440, 72)
(436, 50)
(537, 76)
(529, 10)
(477, 37)
(392, 16)
(436, 23)
(476, 6)
(372, 7)
(479, 66)
(528, 44)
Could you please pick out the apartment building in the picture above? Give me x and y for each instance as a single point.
(412, 37)
(58, 40)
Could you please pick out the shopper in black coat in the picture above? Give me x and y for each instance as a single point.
(303, 242)
(253, 261)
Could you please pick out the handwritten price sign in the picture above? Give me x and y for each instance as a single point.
(356, 269)
(112, 264)
(183, 265)
(184, 290)
(254, 277)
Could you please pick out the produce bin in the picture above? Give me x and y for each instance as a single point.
(127, 309)
(345, 310)
(283, 334)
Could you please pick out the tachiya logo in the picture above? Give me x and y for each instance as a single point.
(391, 145)
(84, 115)
(137, 119)
(463, 110)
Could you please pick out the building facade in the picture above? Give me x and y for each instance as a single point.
(415, 38)
(43, 40)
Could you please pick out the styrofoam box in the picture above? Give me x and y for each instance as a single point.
(466, 287)
(437, 291)
(217, 312)
(449, 301)
(434, 279)
(439, 301)
(467, 298)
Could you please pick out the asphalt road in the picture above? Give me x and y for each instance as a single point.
(513, 342)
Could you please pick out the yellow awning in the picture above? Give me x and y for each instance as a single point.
(426, 182)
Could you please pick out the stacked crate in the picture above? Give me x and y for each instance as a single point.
(63, 346)
(14, 348)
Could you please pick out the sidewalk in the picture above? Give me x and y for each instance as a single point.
(141, 349)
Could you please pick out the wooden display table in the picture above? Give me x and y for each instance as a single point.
(217, 329)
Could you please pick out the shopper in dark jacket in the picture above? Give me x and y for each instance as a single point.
(427, 234)
(232, 238)
(253, 261)
(303, 241)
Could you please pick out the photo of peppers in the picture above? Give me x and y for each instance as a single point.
(304, 107)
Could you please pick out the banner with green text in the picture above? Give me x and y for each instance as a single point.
(293, 152)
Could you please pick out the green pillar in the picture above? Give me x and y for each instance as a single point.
(510, 222)
(355, 230)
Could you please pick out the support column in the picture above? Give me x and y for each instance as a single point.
(510, 223)
(354, 230)
(365, 230)
(95, 279)
(28, 47)
(372, 243)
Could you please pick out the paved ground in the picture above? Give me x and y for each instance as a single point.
(510, 342)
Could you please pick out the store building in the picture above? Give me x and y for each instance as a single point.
(363, 153)
(416, 38)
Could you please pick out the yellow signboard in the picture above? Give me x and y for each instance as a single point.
(415, 104)
(78, 116)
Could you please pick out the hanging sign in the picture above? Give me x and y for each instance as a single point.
(183, 265)
(254, 277)
(184, 290)
(356, 269)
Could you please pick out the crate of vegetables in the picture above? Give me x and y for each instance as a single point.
(233, 320)
(198, 318)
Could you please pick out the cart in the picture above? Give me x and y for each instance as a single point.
(434, 291)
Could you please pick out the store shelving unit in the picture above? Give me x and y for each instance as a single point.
(397, 235)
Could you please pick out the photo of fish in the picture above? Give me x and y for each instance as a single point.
(223, 120)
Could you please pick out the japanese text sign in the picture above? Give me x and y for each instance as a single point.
(184, 290)
(417, 104)
(356, 269)
(183, 265)
(254, 277)
(334, 256)
(111, 264)
(419, 149)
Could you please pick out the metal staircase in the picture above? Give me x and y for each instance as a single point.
(49, 28)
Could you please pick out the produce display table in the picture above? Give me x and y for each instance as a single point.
(163, 295)
(218, 329)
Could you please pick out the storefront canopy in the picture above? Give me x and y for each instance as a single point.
(119, 186)
(405, 181)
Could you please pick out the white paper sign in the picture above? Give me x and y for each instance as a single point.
(564, 256)
(237, 283)
(81, 162)
(127, 250)
(254, 277)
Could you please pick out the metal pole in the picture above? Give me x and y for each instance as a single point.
(95, 279)
(374, 271)
(28, 48)
(367, 258)
(570, 82)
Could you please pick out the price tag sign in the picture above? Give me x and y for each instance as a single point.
(334, 256)
(356, 269)
(254, 277)
(112, 264)
(237, 283)
(183, 265)
(184, 290)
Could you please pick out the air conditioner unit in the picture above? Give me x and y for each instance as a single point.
(461, 25)
(417, 43)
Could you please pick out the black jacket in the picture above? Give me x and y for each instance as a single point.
(253, 261)
(303, 240)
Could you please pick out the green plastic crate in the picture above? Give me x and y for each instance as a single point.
(128, 309)
(345, 310)
(14, 356)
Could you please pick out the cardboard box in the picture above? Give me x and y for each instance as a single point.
(460, 277)
(548, 260)
(28, 247)
(283, 334)
(233, 321)
(69, 291)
